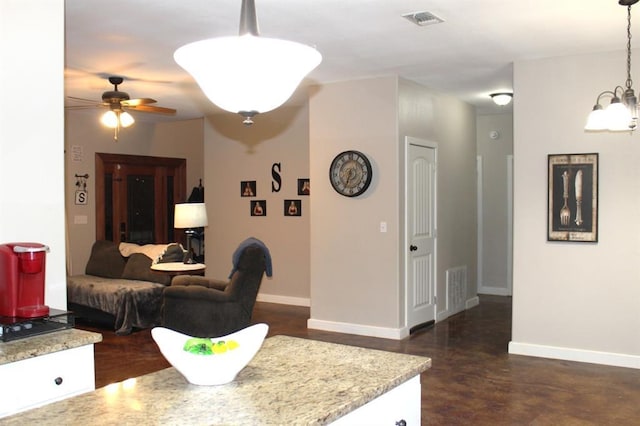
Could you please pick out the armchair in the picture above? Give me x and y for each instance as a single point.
(206, 307)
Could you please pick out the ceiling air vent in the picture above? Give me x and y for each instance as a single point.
(423, 18)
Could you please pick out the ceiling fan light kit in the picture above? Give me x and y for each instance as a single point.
(118, 102)
(113, 119)
(622, 113)
(247, 74)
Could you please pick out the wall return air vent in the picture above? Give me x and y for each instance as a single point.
(423, 18)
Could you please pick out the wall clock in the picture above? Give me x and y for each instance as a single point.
(350, 173)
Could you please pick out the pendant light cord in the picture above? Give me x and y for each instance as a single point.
(629, 82)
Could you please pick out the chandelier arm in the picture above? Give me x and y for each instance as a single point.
(606, 92)
(248, 18)
(615, 91)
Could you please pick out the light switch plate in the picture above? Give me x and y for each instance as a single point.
(80, 219)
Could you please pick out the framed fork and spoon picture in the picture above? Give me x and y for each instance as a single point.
(573, 198)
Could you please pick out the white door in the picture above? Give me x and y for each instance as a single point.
(420, 251)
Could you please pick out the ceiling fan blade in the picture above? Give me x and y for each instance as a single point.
(139, 101)
(130, 78)
(83, 106)
(93, 101)
(154, 109)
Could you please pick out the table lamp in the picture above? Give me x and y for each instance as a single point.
(190, 217)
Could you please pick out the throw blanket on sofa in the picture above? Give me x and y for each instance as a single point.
(152, 251)
(133, 303)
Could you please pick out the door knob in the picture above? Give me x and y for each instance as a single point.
(413, 248)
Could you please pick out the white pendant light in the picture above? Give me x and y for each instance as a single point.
(622, 113)
(247, 74)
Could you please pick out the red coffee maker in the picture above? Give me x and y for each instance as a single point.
(22, 273)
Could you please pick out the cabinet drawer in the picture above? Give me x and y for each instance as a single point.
(399, 404)
(47, 378)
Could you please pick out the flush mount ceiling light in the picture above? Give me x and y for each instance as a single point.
(622, 112)
(501, 99)
(247, 74)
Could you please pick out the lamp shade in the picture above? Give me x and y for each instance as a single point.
(126, 119)
(247, 73)
(109, 119)
(618, 117)
(190, 215)
(115, 118)
(597, 120)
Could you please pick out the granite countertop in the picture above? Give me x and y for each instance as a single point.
(29, 347)
(290, 380)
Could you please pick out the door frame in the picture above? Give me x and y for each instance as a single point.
(408, 141)
(105, 160)
(481, 286)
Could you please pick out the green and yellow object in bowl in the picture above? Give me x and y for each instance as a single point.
(202, 346)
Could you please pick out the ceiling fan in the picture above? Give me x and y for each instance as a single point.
(119, 103)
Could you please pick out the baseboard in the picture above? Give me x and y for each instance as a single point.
(494, 291)
(358, 329)
(470, 303)
(578, 355)
(442, 315)
(284, 300)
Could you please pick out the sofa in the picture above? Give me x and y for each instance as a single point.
(119, 288)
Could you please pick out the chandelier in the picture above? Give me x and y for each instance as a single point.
(622, 112)
(247, 74)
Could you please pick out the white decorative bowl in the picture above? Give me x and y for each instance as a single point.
(216, 368)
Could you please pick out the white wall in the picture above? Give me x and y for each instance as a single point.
(85, 135)
(494, 250)
(577, 301)
(357, 272)
(31, 152)
(355, 268)
(233, 153)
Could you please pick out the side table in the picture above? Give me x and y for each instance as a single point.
(179, 268)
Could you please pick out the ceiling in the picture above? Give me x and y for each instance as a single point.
(469, 55)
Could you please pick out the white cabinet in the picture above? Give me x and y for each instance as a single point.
(401, 403)
(43, 379)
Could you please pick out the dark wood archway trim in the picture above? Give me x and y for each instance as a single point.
(105, 161)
